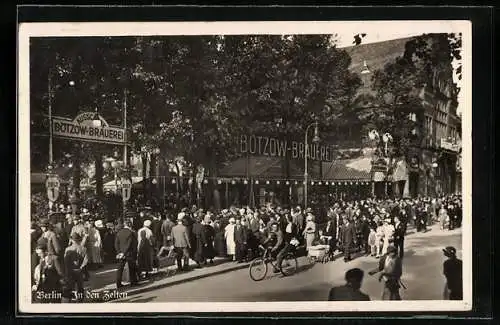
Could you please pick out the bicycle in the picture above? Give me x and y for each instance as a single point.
(260, 264)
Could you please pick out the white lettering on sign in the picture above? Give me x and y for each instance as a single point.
(69, 129)
(273, 147)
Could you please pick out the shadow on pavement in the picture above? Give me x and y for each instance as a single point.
(318, 292)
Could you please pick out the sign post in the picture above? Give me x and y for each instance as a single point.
(126, 192)
(52, 184)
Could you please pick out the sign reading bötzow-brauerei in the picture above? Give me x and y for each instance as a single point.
(82, 128)
(273, 147)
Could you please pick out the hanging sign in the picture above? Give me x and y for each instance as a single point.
(82, 128)
(273, 147)
(126, 189)
(52, 184)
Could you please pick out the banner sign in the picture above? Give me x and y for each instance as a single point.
(449, 145)
(126, 188)
(52, 184)
(273, 147)
(82, 128)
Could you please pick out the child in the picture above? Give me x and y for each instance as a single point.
(372, 241)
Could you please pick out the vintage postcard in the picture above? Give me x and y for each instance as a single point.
(245, 167)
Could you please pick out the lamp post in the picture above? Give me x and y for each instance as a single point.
(315, 140)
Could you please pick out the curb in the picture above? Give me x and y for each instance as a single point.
(180, 281)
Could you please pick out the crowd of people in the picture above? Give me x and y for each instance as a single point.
(66, 245)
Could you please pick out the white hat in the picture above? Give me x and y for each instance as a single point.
(309, 218)
(181, 216)
(84, 210)
(98, 224)
(232, 220)
(242, 211)
(224, 211)
(147, 223)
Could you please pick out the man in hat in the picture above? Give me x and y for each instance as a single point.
(53, 244)
(126, 249)
(399, 236)
(351, 290)
(181, 243)
(241, 240)
(452, 270)
(348, 235)
(391, 269)
(75, 262)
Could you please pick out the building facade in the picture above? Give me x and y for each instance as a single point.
(433, 168)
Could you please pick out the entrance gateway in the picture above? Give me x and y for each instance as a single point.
(82, 128)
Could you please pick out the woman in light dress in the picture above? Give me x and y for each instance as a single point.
(94, 243)
(443, 216)
(229, 236)
(379, 238)
(388, 235)
(309, 232)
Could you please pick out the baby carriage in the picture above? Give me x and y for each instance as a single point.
(169, 260)
(319, 253)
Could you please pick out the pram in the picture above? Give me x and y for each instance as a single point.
(319, 253)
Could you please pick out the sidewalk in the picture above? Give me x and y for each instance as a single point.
(103, 281)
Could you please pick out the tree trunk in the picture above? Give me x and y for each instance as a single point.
(99, 173)
(145, 184)
(213, 191)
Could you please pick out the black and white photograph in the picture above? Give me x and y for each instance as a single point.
(244, 167)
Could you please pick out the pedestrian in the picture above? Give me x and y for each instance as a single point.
(229, 237)
(240, 240)
(199, 242)
(126, 249)
(388, 239)
(331, 233)
(391, 270)
(209, 234)
(145, 249)
(75, 262)
(452, 270)
(181, 243)
(309, 231)
(49, 278)
(348, 237)
(372, 241)
(351, 290)
(399, 236)
(53, 245)
(443, 218)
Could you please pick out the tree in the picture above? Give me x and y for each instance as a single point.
(397, 107)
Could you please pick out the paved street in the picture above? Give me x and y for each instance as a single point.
(422, 274)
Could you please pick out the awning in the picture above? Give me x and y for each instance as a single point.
(348, 169)
(262, 167)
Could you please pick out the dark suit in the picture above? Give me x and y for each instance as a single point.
(241, 240)
(348, 235)
(399, 238)
(331, 231)
(126, 243)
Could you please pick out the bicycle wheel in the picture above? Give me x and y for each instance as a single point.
(289, 265)
(258, 269)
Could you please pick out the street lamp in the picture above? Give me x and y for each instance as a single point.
(314, 140)
(96, 121)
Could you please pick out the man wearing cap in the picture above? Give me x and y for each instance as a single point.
(75, 262)
(351, 290)
(452, 270)
(181, 242)
(391, 269)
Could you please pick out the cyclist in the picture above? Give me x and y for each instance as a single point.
(275, 243)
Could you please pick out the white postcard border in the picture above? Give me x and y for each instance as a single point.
(27, 30)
